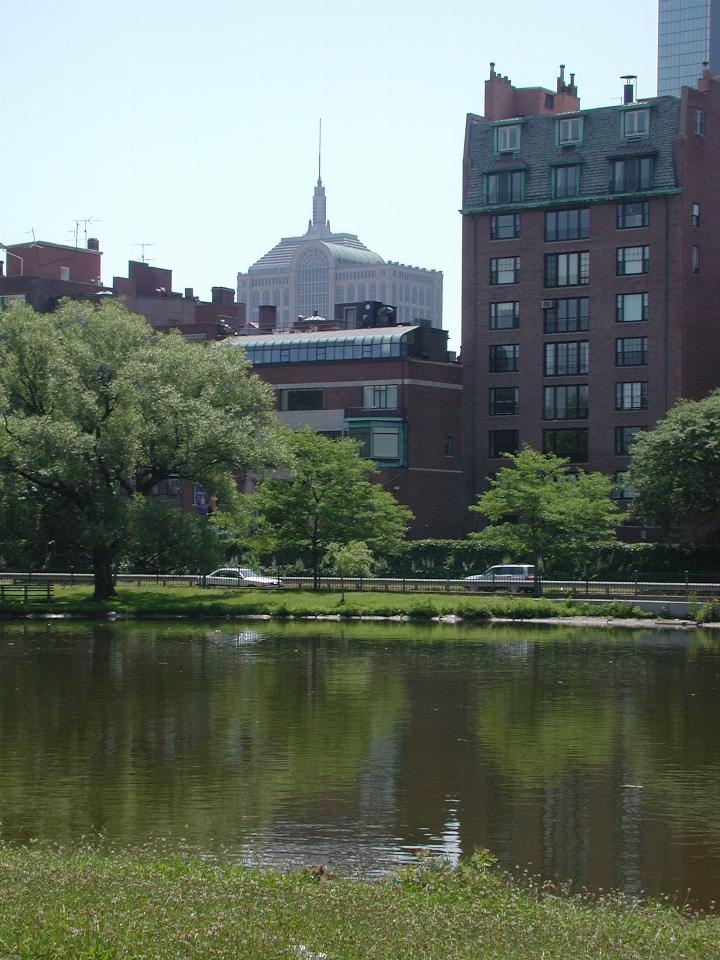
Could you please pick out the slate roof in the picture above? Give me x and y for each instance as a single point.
(602, 141)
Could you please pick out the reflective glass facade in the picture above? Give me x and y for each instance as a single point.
(299, 349)
(688, 34)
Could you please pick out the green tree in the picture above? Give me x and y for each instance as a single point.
(96, 405)
(162, 539)
(328, 497)
(540, 512)
(353, 559)
(675, 470)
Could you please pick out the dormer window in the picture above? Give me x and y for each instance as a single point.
(508, 138)
(636, 123)
(570, 130)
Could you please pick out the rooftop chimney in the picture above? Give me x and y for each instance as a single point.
(188, 293)
(629, 87)
(93, 243)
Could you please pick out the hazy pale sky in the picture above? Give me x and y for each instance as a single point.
(193, 125)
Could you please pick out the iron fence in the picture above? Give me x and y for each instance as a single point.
(641, 586)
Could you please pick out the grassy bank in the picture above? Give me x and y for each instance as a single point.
(86, 905)
(194, 602)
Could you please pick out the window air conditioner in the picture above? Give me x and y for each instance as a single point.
(547, 304)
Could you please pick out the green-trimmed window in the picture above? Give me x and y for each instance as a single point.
(635, 123)
(507, 137)
(566, 180)
(507, 186)
(569, 130)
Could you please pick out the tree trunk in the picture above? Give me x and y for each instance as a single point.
(102, 571)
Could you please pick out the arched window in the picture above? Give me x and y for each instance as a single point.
(312, 283)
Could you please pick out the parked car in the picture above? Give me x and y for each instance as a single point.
(506, 576)
(241, 577)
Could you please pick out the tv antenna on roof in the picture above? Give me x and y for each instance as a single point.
(84, 221)
(142, 244)
(32, 231)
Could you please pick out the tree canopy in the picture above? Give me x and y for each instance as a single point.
(328, 497)
(675, 470)
(96, 406)
(541, 512)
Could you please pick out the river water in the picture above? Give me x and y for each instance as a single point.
(577, 754)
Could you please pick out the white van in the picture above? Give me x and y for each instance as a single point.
(516, 577)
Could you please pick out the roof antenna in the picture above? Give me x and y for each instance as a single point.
(319, 150)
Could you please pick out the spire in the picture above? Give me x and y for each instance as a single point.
(319, 217)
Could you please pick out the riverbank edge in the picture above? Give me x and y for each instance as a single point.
(163, 603)
(134, 903)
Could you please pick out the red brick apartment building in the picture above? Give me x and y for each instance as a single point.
(590, 270)
(394, 389)
(42, 273)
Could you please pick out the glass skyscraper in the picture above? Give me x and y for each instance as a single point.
(688, 35)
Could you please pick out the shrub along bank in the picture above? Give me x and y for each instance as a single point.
(195, 602)
(88, 905)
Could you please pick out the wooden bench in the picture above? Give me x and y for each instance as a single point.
(25, 592)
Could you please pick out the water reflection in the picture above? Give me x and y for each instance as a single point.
(592, 756)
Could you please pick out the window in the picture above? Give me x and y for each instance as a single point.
(380, 440)
(505, 316)
(632, 260)
(566, 359)
(505, 358)
(631, 174)
(64, 273)
(173, 486)
(502, 442)
(636, 123)
(566, 316)
(696, 214)
(504, 270)
(631, 351)
(565, 403)
(380, 396)
(631, 307)
(566, 180)
(699, 123)
(567, 269)
(505, 187)
(504, 226)
(570, 130)
(503, 401)
(449, 446)
(624, 439)
(695, 258)
(631, 396)
(507, 138)
(302, 399)
(631, 215)
(572, 444)
(622, 489)
(567, 225)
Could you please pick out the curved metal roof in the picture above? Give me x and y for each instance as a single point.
(363, 334)
(353, 254)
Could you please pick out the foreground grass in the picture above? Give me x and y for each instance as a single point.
(86, 905)
(196, 602)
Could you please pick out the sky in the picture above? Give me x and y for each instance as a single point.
(192, 127)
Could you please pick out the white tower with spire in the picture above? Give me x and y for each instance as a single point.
(319, 226)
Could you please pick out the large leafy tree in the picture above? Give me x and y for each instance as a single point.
(675, 470)
(328, 497)
(95, 405)
(542, 513)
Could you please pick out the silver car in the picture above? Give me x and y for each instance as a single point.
(241, 577)
(505, 576)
